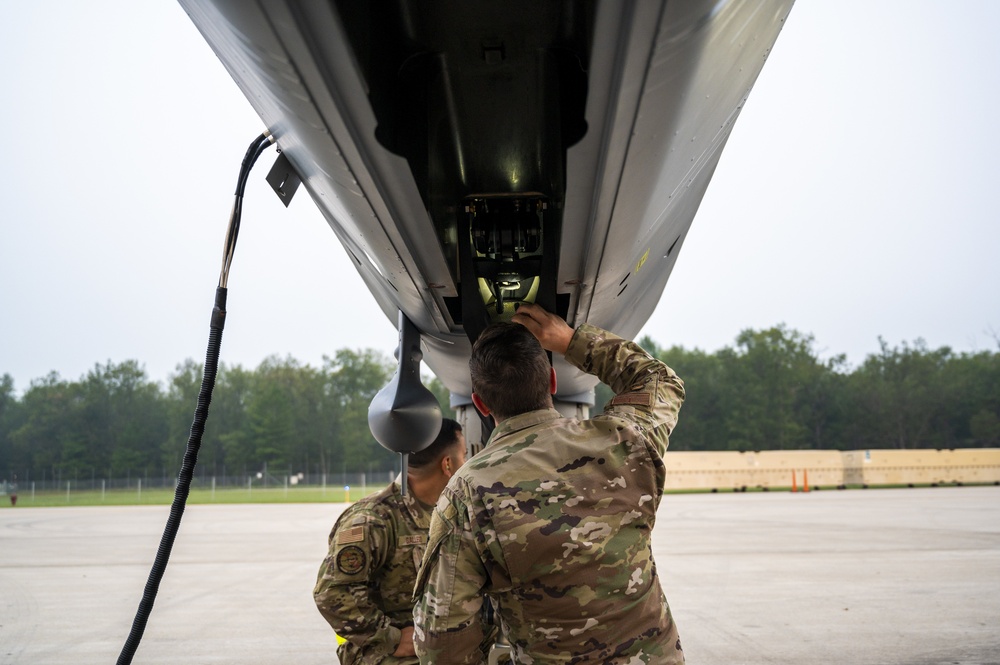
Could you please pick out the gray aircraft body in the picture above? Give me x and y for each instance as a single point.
(473, 155)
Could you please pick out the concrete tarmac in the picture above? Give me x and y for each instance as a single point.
(907, 576)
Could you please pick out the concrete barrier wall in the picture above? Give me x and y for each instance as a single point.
(767, 468)
(922, 467)
(773, 469)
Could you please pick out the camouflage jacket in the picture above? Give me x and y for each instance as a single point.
(365, 585)
(552, 522)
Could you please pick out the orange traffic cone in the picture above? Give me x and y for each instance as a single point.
(805, 480)
(795, 488)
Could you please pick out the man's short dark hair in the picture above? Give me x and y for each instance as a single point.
(446, 438)
(510, 370)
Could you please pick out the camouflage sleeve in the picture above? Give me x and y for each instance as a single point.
(647, 392)
(448, 626)
(343, 588)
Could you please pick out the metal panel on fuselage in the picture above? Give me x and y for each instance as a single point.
(705, 59)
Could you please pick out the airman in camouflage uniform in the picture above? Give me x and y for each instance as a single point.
(365, 584)
(552, 520)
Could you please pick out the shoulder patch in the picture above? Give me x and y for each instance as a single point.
(360, 519)
(355, 534)
(632, 399)
(351, 560)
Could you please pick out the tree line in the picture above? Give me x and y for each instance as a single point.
(116, 422)
(770, 390)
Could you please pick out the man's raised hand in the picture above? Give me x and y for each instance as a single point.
(550, 330)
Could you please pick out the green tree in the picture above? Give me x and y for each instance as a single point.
(124, 419)
(48, 406)
(768, 369)
(984, 426)
(897, 396)
(969, 391)
(225, 444)
(702, 420)
(9, 408)
(770, 391)
(181, 401)
(352, 380)
(229, 422)
(282, 412)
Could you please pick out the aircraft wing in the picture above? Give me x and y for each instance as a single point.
(471, 155)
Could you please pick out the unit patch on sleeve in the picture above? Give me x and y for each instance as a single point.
(351, 560)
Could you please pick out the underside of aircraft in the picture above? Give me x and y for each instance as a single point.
(472, 155)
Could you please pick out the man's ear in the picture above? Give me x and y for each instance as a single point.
(552, 381)
(480, 407)
(446, 466)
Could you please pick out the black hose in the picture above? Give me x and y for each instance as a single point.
(257, 147)
(200, 414)
(183, 480)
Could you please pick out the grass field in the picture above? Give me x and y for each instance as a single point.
(153, 497)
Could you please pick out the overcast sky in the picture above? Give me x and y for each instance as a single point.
(856, 197)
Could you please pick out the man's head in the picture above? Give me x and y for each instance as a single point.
(443, 457)
(510, 372)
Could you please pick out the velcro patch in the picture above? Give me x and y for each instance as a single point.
(418, 539)
(632, 399)
(351, 560)
(360, 519)
(355, 534)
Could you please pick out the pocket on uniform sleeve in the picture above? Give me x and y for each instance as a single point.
(436, 579)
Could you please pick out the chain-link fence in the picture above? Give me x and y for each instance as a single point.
(350, 486)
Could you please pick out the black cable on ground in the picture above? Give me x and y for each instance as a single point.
(200, 415)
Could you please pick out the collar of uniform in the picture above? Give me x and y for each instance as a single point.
(523, 422)
(421, 517)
